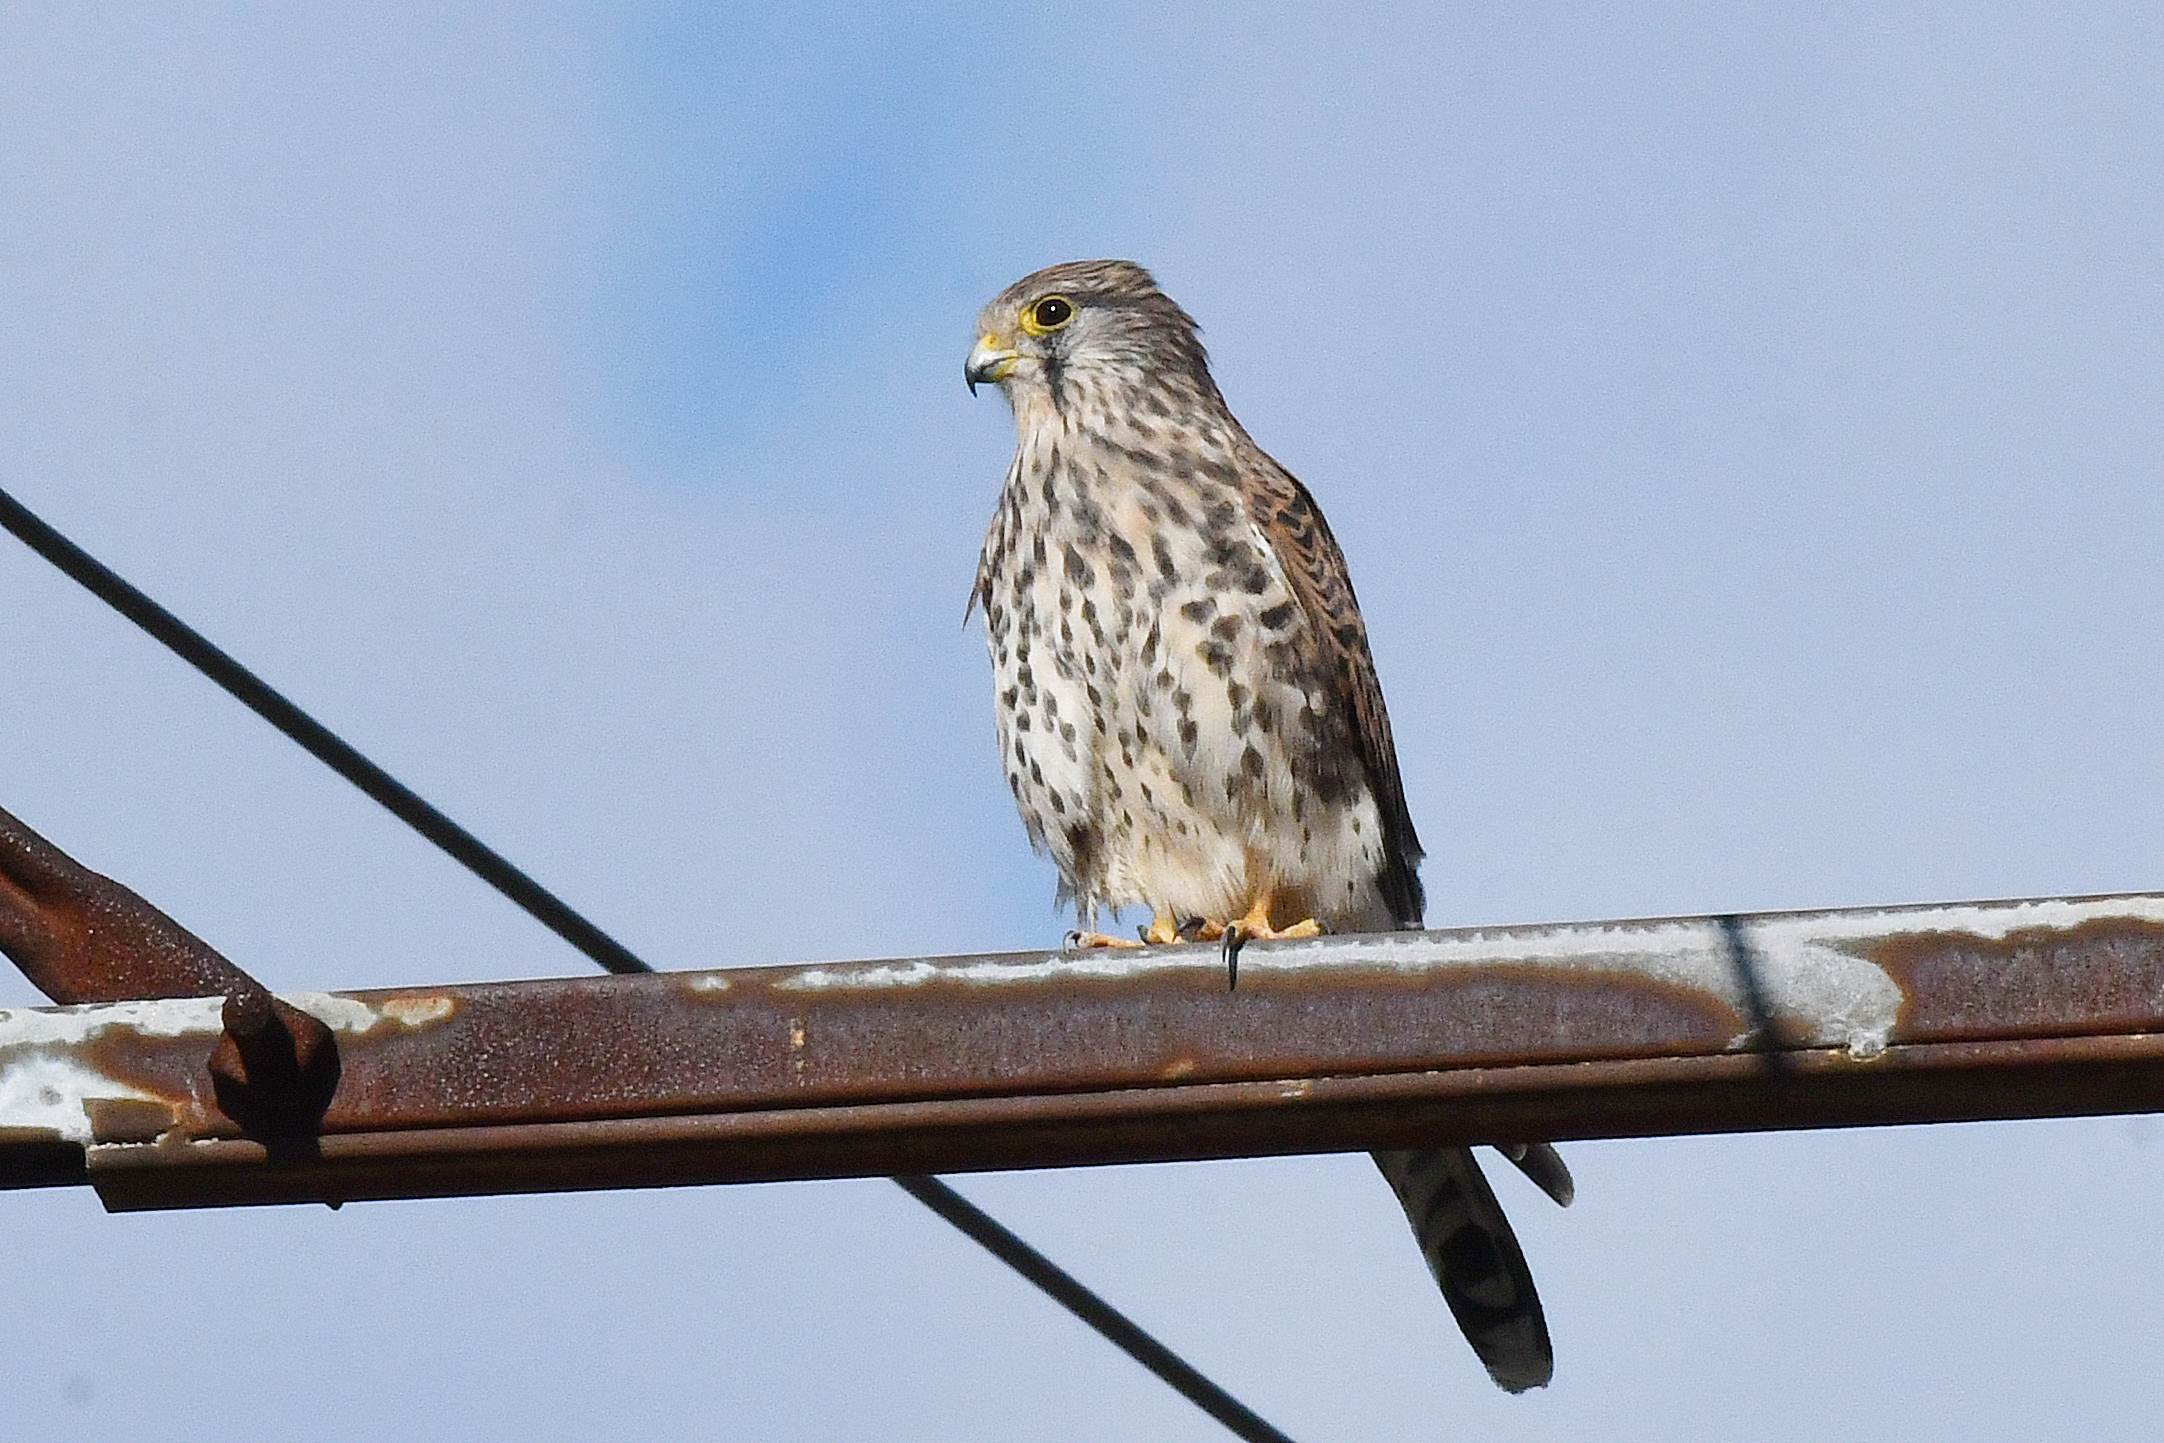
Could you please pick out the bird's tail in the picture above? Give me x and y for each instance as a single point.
(1474, 1255)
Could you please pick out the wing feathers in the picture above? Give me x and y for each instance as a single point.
(1309, 555)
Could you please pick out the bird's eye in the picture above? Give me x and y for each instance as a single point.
(1047, 315)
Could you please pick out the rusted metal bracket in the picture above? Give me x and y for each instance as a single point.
(1605, 1029)
(83, 938)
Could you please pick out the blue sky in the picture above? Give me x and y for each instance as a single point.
(1745, 428)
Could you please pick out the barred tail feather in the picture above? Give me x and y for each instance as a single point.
(1544, 1165)
(1474, 1256)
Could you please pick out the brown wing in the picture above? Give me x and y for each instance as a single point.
(1309, 554)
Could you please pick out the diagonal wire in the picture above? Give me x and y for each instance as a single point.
(984, 1229)
(318, 740)
(562, 919)
(1757, 1001)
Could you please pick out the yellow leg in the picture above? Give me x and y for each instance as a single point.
(1255, 926)
(1162, 930)
(1085, 941)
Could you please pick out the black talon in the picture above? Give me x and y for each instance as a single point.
(1229, 947)
(1072, 942)
(1190, 930)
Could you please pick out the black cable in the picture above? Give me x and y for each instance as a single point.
(1757, 1001)
(318, 740)
(559, 917)
(1242, 1420)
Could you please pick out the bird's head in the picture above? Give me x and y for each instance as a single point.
(1101, 323)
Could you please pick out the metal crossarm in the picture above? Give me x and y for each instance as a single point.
(1603, 1029)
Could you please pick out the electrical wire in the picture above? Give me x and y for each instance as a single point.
(987, 1231)
(318, 740)
(566, 922)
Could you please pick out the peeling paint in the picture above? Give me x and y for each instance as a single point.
(419, 1011)
(70, 1026)
(992, 971)
(46, 1092)
(1816, 982)
(1835, 998)
(1993, 921)
(46, 1085)
(201, 1016)
(1828, 996)
(357, 1018)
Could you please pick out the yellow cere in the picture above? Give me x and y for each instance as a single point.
(999, 369)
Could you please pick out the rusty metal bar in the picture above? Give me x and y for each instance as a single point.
(1911, 1014)
(82, 937)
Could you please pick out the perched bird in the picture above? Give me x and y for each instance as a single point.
(1187, 711)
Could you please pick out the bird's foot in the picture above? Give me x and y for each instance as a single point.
(1254, 927)
(1161, 932)
(1090, 941)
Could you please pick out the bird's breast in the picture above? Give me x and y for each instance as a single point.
(1152, 696)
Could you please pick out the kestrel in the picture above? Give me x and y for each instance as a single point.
(1188, 714)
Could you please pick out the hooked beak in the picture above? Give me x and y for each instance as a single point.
(988, 361)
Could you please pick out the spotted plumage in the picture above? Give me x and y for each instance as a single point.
(1188, 715)
(1186, 707)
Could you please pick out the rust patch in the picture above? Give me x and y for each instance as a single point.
(82, 937)
(2104, 975)
(132, 1119)
(170, 1070)
(1513, 1011)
